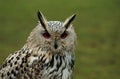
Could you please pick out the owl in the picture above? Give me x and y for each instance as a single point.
(47, 54)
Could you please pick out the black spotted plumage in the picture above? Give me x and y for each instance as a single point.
(43, 58)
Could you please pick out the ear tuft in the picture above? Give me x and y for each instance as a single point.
(69, 20)
(42, 19)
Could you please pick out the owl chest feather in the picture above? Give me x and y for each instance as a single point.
(54, 66)
(38, 64)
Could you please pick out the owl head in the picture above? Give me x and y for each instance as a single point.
(55, 36)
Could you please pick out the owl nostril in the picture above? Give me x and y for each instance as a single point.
(55, 44)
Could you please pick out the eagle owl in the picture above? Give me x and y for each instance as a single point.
(47, 54)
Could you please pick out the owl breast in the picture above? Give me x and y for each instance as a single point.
(53, 66)
(59, 67)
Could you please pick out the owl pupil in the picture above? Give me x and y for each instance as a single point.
(46, 35)
(64, 35)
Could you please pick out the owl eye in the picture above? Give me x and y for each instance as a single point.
(46, 35)
(64, 35)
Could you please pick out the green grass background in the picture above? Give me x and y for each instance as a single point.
(97, 25)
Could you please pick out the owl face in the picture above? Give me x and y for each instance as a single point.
(54, 35)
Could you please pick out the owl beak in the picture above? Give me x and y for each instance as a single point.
(55, 44)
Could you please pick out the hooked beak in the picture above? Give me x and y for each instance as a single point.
(55, 44)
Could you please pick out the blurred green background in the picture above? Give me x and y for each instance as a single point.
(97, 25)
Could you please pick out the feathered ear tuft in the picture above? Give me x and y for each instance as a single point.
(69, 20)
(42, 20)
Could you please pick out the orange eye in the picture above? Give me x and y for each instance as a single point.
(46, 35)
(64, 35)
